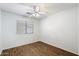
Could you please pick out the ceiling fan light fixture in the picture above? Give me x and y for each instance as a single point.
(36, 13)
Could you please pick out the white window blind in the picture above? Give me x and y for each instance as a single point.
(29, 28)
(24, 28)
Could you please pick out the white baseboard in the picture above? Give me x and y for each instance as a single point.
(61, 47)
(19, 44)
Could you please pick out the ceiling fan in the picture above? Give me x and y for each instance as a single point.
(35, 12)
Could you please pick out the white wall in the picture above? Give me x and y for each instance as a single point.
(10, 38)
(78, 29)
(60, 30)
(0, 33)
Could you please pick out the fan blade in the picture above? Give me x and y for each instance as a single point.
(28, 13)
(43, 13)
(37, 9)
(32, 12)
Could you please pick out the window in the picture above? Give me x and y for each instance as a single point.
(24, 28)
(29, 28)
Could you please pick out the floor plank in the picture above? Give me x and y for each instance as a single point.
(36, 49)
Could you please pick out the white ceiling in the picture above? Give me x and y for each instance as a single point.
(57, 7)
(22, 8)
(53, 8)
(15, 8)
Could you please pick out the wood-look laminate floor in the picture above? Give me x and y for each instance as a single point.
(36, 49)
